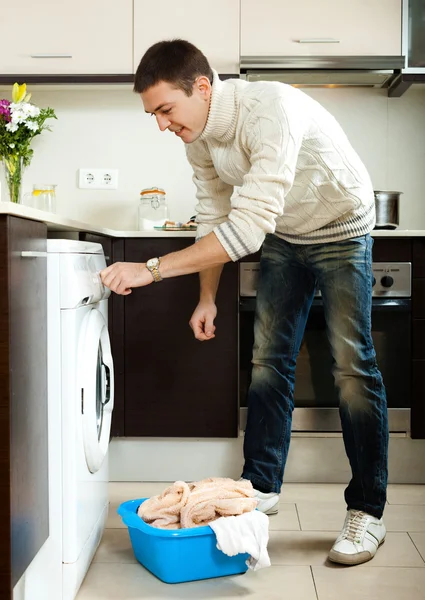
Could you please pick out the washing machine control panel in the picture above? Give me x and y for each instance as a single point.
(83, 284)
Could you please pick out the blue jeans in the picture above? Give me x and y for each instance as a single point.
(289, 274)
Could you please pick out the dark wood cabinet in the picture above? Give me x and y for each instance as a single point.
(175, 385)
(419, 258)
(418, 339)
(24, 504)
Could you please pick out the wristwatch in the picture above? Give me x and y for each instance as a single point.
(153, 266)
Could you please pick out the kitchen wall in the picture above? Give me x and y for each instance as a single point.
(108, 128)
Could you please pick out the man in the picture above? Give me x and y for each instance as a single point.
(274, 169)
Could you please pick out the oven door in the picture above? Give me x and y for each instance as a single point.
(315, 397)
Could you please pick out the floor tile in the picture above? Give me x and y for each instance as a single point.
(286, 519)
(114, 521)
(419, 541)
(381, 583)
(312, 547)
(133, 582)
(404, 518)
(115, 547)
(308, 492)
(406, 494)
(321, 516)
(121, 491)
(327, 516)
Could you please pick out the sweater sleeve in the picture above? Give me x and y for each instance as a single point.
(212, 193)
(273, 147)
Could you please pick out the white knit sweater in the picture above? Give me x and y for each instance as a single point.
(272, 159)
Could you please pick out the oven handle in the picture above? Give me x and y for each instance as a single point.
(378, 304)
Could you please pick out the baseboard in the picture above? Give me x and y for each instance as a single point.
(312, 458)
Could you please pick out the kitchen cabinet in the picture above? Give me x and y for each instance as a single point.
(418, 341)
(413, 36)
(50, 37)
(212, 26)
(24, 505)
(175, 385)
(326, 28)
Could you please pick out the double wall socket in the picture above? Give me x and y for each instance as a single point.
(98, 179)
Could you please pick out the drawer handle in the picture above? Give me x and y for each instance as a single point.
(51, 55)
(318, 41)
(33, 254)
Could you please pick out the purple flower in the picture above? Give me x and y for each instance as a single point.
(5, 110)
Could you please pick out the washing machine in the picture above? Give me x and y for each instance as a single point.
(81, 381)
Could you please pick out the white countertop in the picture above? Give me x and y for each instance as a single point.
(59, 223)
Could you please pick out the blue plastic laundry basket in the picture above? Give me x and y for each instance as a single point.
(178, 555)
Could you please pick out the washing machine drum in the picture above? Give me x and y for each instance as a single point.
(97, 388)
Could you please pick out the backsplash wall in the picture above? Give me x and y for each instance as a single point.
(108, 128)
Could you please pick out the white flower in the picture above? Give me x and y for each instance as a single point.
(11, 126)
(33, 111)
(22, 110)
(18, 117)
(11, 146)
(31, 125)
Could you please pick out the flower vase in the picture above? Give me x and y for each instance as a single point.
(12, 168)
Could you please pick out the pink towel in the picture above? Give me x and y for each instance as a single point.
(198, 513)
(197, 504)
(164, 510)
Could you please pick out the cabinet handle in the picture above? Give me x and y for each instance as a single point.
(51, 55)
(318, 41)
(33, 254)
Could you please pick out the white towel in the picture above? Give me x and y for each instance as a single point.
(245, 533)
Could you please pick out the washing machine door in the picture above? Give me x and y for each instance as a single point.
(97, 388)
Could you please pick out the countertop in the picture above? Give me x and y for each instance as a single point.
(59, 223)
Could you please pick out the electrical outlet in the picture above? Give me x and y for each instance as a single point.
(98, 179)
(108, 179)
(87, 178)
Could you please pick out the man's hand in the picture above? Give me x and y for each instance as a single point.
(121, 277)
(202, 321)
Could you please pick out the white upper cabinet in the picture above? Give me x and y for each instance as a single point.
(321, 27)
(72, 37)
(212, 25)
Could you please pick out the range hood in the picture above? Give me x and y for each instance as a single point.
(323, 71)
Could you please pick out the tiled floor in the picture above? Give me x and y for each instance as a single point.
(301, 535)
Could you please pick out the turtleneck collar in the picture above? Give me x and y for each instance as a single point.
(221, 122)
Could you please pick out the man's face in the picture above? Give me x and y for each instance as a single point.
(185, 116)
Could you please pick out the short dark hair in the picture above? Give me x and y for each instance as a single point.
(176, 61)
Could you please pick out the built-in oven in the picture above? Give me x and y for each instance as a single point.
(315, 396)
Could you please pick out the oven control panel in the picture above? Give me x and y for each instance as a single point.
(390, 280)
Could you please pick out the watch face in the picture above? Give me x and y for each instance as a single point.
(152, 262)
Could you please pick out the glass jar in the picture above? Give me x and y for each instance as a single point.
(43, 197)
(153, 209)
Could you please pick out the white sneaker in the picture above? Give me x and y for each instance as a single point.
(359, 539)
(268, 503)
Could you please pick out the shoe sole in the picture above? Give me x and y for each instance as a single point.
(344, 559)
(272, 511)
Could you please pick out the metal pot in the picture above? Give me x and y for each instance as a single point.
(387, 209)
